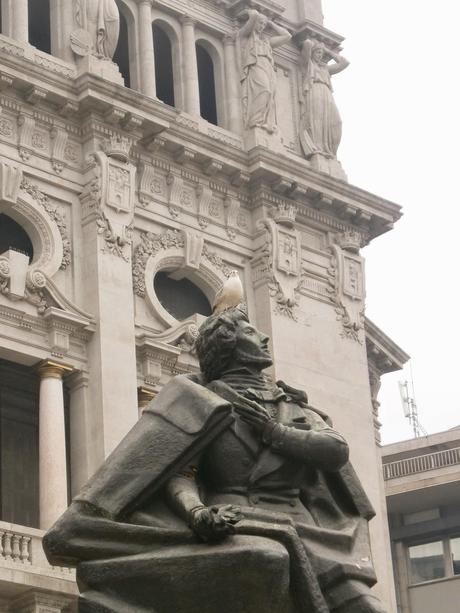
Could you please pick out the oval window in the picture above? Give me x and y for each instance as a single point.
(181, 298)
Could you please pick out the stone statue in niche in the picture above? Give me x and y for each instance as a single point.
(258, 79)
(230, 495)
(321, 126)
(99, 23)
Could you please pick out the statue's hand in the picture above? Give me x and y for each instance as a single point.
(252, 413)
(212, 524)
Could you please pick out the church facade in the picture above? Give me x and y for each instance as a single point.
(148, 149)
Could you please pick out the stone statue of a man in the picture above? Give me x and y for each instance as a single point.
(99, 23)
(230, 495)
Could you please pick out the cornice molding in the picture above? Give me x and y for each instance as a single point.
(383, 352)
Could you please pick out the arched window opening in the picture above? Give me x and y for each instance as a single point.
(121, 56)
(39, 25)
(12, 236)
(180, 298)
(164, 71)
(207, 85)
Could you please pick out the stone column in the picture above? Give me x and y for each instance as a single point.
(52, 443)
(232, 83)
(190, 75)
(18, 13)
(146, 50)
(62, 18)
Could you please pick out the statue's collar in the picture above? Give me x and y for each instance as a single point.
(253, 386)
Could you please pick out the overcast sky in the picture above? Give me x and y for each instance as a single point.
(400, 106)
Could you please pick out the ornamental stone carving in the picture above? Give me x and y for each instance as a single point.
(109, 196)
(279, 264)
(55, 215)
(10, 182)
(99, 28)
(258, 37)
(320, 124)
(346, 279)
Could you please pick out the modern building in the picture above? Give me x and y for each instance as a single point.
(128, 192)
(422, 485)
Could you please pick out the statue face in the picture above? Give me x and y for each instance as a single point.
(261, 23)
(252, 346)
(318, 54)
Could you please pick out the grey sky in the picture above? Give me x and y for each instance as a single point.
(400, 105)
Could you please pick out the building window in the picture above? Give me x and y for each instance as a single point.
(164, 66)
(19, 392)
(121, 55)
(427, 562)
(435, 560)
(455, 555)
(39, 25)
(181, 298)
(12, 236)
(207, 85)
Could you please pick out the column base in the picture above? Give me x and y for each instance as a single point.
(101, 68)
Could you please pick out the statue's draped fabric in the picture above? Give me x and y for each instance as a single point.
(101, 19)
(258, 82)
(321, 126)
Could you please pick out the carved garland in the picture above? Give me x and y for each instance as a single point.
(150, 245)
(53, 213)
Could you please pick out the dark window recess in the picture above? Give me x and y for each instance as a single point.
(19, 392)
(182, 298)
(12, 236)
(1, 18)
(207, 85)
(164, 72)
(121, 56)
(39, 25)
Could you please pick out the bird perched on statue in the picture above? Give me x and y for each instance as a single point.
(230, 295)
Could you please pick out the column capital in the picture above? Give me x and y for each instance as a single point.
(48, 369)
(148, 2)
(144, 397)
(187, 20)
(230, 38)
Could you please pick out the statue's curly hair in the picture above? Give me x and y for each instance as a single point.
(216, 341)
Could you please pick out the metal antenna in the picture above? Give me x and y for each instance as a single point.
(410, 406)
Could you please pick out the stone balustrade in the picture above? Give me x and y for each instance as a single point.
(421, 464)
(22, 547)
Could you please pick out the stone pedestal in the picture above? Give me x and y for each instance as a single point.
(258, 137)
(329, 166)
(101, 68)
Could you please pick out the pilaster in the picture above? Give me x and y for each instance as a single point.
(108, 213)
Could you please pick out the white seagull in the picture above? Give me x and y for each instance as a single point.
(230, 295)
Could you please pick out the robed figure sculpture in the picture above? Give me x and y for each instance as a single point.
(230, 495)
(99, 28)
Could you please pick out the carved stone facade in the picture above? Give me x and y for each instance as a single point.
(116, 189)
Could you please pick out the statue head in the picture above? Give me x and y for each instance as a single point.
(228, 340)
(317, 51)
(261, 23)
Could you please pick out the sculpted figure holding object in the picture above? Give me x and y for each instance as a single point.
(230, 495)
